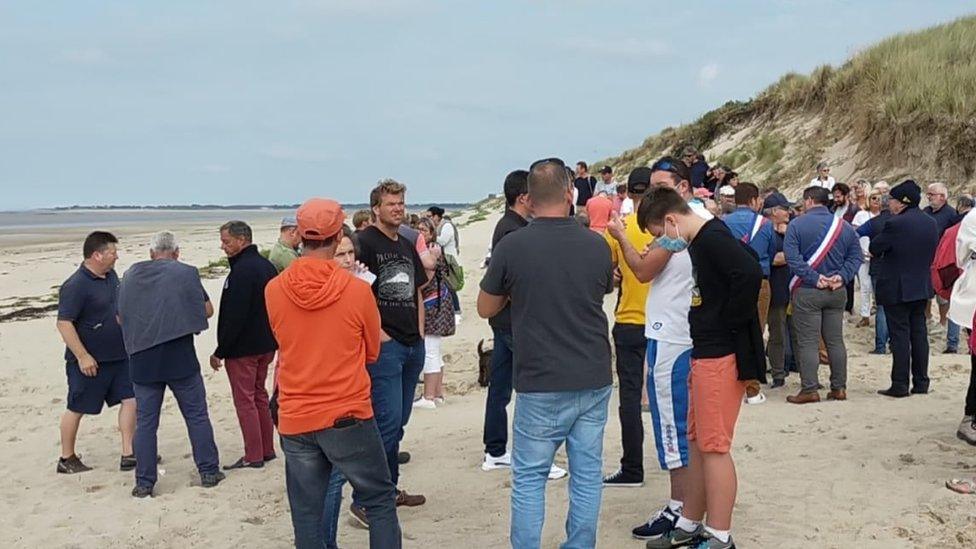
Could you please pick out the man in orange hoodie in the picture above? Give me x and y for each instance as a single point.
(328, 328)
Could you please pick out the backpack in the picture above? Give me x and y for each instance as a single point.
(455, 273)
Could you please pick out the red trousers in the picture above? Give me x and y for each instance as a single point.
(248, 375)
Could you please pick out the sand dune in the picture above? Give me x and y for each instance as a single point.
(863, 473)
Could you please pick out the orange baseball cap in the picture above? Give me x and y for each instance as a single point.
(319, 219)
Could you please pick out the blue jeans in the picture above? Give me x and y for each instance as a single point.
(357, 451)
(333, 508)
(394, 378)
(499, 395)
(191, 396)
(952, 336)
(543, 422)
(881, 339)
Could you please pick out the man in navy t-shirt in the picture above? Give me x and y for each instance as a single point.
(96, 362)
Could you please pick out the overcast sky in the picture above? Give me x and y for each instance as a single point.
(241, 101)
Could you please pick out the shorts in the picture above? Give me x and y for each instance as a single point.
(716, 397)
(668, 365)
(433, 362)
(111, 385)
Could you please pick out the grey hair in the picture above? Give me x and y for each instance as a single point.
(822, 164)
(941, 188)
(237, 229)
(163, 242)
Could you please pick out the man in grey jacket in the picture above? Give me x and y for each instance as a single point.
(162, 305)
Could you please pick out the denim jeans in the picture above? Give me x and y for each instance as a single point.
(333, 508)
(499, 395)
(543, 422)
(393, 379)
(191, 396)
(952, 336)
(355, 450)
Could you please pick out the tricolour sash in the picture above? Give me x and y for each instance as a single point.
(756, 225)
(833, 233)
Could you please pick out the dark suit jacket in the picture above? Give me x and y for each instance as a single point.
(906, 244)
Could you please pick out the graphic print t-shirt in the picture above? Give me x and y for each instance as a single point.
(399, 273)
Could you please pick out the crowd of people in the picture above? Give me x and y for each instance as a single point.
(718, 284)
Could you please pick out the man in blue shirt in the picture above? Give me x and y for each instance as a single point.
(96, 363)
(750, 227)
(824, 254)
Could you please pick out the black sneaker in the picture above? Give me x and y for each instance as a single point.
(212, 479)
(72, 465)
(657, 526)
(777, 383)
(142, 491)
(241, 464)
(403, 458)
(679, 538)
(619, 480)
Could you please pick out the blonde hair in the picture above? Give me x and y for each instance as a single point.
(385, 186)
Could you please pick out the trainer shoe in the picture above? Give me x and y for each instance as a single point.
(210, 480)
(714, 543)
(142, 491)
(425, 404)
(491, 462)
(358, 514)
(556, 472)
(660, 524)
(758, 398)
(619, 480)
(967, 430)
(72, 465)
(679, 538)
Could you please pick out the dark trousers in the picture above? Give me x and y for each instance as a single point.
(776, 348)
(455, 300)
(971, 392)
(909, 344)
(849, 305)
(393, 379)
(191, 396)
(499, 395)
(357, 451)
(248, 376)
(631, 346)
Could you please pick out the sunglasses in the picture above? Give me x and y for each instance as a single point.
(555, 161)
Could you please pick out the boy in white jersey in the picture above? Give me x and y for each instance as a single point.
(668, 346)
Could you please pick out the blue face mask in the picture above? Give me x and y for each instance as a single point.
(673, 245)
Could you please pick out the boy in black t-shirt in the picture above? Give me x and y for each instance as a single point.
(727, 350)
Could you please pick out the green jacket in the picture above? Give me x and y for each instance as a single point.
(281, 256)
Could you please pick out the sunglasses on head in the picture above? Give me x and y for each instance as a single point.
(555, 161)
(666, 166)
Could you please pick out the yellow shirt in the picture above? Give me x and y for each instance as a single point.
(633, 295)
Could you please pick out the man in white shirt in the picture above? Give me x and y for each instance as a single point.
(606, 183)
(823, 179)
(668, 346)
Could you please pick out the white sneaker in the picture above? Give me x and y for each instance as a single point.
(457, 319)
(556, 472)
(501, 462)
(758, 399)
(439, 400)
(424, 404)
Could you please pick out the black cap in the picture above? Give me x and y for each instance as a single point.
(907, 192)
(606, 169)
(639, 180)
(776, 200)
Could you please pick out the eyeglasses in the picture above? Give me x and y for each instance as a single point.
(876, 198)
(555, 161)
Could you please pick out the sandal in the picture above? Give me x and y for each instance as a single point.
(965, 486)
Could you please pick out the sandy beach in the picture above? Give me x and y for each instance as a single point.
(867, 472)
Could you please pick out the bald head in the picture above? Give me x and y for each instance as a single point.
(549, 186)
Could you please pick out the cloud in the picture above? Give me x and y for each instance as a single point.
(85, 56)
(215, 168)
(707, 74)
(296, 154)
(629, 48)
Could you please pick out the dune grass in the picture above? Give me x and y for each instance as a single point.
(906, 90)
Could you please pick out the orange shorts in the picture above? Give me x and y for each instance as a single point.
(715, 397)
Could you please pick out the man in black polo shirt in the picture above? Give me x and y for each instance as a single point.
(556, 274)
(497, 455)
(97, 365)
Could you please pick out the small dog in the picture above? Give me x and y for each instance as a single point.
(484, 364)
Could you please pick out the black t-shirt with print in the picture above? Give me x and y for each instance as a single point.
(399, 273)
